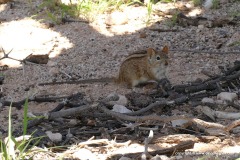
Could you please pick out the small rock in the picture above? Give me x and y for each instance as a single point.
(160, 157)
(120, 109)
(73, 122)
(201, 26)
(31, 115)
(207, 111)
(207, 100)
(234, 40)
(179, 157)
(215, 132)
(179, 122)
(112, 97)
(54, 71)
(121, 101)
(227, 96)
(55, 137)
(51, 63)
(69, 135)
(220, 102)
(125, 158)
(84, 154)
(208, 4)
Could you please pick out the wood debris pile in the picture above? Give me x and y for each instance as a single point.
(143, 118)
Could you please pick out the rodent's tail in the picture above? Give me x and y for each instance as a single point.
(84, 81)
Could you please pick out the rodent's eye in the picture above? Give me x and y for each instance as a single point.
(158, 58)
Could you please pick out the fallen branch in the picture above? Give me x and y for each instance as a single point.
(210, 84)
(181, 147)
(146, 143)
(76, 111)
(46, 98)
(178, 138)
(232, 125)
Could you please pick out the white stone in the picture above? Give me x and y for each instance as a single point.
(234, 40)
(30, 114)
(160, 157)
(208, 4)
(201, 26)
(55, 137)
(227, 96)
(112, 96)
(73, 122)
(120, 109)
(121, 101)
(54, 71)
(179, 157)
(179, 122)
(51, 63)
(84, 154)
(207, 100)
(125, 158)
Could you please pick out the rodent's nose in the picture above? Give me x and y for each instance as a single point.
(166, 63)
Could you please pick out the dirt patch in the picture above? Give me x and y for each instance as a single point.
(95, 50)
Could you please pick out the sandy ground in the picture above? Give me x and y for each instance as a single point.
(95, 50)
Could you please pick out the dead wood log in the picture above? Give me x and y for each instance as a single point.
(178, 138)
(232, 125)
(4, 1)
(181, 147)
(210, 84)
(38, 59)
(179, 100)
(69, 112)
(47, 98)
(199, 123)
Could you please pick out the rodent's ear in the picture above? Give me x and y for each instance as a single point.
(150, 52)
(165, 49)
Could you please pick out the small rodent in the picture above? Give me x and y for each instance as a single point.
(137, 68)
(143, 67)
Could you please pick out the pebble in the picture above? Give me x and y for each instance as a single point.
(227, 96)
(121, 101)
(160, 157)
(201, 26)
(73, 122)
(120, 109)
(55, 137)
(125, 158)
(234, 40)
(207, 100)
(179, 122)
(84, 154)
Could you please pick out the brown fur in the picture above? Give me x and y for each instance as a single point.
(140, 68)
